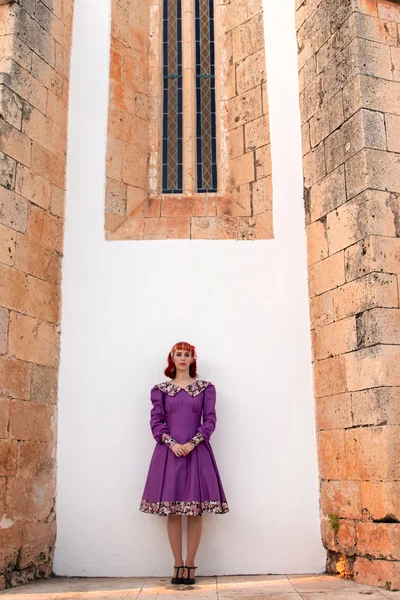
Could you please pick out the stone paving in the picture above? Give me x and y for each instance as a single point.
(245, 587)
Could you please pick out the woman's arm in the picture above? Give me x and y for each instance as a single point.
(205, 430)
(158, 425)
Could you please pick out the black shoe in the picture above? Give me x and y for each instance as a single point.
(189, 580)
(177, 580)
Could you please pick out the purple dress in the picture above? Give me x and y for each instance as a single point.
(183, 485)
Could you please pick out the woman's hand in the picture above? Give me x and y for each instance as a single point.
(178, 449)
(182, 449)
(188, 447)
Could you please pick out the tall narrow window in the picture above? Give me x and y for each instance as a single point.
(188, 147)
(206, 142)
(199, 66)
(172, 151)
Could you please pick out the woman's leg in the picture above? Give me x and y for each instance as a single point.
(174, 527)
(194, 529)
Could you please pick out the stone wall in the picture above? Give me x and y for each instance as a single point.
(349, 74)
(135, 205)
(35, 38)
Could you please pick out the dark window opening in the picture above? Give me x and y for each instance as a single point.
(172, 124)
(206, 138)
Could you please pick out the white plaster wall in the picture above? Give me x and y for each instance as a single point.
(243, 304)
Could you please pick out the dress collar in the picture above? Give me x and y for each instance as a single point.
(168, 387)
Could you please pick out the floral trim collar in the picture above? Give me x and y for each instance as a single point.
(193, 389)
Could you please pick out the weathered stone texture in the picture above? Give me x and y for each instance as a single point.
(349, 65)
(35, 40)
(135, 206)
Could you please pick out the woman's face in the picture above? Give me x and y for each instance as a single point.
(182, 359)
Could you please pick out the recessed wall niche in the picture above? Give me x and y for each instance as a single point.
(175, 65)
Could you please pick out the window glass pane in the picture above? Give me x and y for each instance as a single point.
(206, 143)
(172, 176)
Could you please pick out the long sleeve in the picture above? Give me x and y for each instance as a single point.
(158, 425)
(206, 429)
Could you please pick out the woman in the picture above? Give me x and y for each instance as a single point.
(183, 477)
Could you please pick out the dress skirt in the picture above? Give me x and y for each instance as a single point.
(189, 484)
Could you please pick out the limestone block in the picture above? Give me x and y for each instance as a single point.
(393, 132)
(33, 340)
(342, 498)
(13, 290)
(10, 107)
(39, 542)
(376, 30)
(262, 195)
(263, 162)
(244, 108)
(44, 385)
(321, 310)
(47, 165)
(8, 457)
(389, 10)
(36, 259)
(31, 421)
(331, 453)
(375, 253)
(35, 458)
(364, 293)
(367, 7)
(3, 330)
(370, 367)
(257, 133)
(381, 540)
(377, 572)
(375, 169)
(12, 47)
(372, 93)
(198, 206)
(376, 406)
(236, 142)
(214, 228)
(167, 228)
(314, 165)
(307, 73)
(364, 129)
(250, 72)
(330, 378)
(8, 169)
(44, 227)
(248, 37)
(14, 143)
(365, 459)
(43, 300)
(327, 194)
(14, 378)
(35, 188)
(378, 326)
(4, 417)
(242, 169)
(115, 196)
(370, 213)
(336, 338)
(327, 274)
(334, 412)
(395, 55)
(317, 243)
(380, 498)
(13, 210)
(30, 498)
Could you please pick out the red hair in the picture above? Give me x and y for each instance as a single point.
(170, 371)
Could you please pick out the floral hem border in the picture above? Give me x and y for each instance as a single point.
(192, 508)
